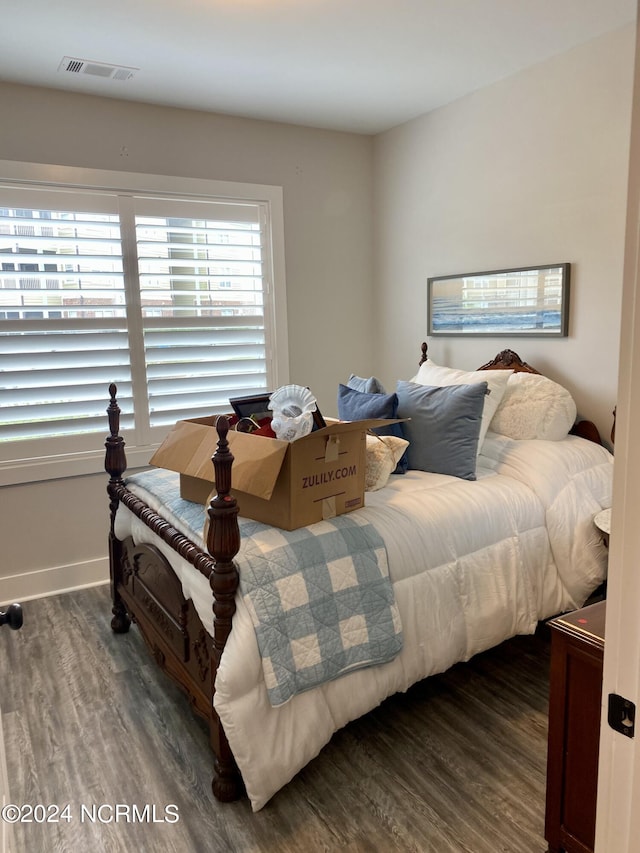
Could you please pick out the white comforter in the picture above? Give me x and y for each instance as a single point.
(472, 563)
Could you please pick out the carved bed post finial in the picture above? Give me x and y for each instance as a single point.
(223, 543)
(115, 464)
(424, 347)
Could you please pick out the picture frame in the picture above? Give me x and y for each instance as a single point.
(521, 301)
(256, 405)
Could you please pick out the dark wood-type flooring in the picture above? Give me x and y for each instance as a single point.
(456, 765)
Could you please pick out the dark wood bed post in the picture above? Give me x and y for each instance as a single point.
(223, 543)
(115, 465)
(145, 589)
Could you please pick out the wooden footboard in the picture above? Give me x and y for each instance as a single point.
(145, 590)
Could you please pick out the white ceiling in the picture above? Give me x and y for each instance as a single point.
(354, 65)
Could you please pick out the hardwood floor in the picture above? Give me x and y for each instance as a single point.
(456, 765)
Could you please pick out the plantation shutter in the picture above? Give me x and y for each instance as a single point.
(170, 298)
(63, 326)
(202, 280)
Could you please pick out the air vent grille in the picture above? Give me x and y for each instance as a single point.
(71, 65)
(75, 65)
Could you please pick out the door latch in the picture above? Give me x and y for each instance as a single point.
(622, 715)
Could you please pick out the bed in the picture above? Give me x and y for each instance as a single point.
(469, 563)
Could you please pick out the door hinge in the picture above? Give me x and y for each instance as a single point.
(622, 715)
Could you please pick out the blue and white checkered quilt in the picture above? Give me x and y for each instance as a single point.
(320, 597)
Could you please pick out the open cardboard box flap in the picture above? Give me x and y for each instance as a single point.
(190, 444)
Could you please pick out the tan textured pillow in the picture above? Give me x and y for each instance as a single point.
(383, 453)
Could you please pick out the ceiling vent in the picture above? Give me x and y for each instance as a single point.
(71, 65)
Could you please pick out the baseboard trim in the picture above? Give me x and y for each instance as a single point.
(54, 581)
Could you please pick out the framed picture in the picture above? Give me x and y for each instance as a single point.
(256, 406)
(530, 301)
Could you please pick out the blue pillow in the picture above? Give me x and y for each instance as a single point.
(357, 405)
(369, 386)
(444, 427)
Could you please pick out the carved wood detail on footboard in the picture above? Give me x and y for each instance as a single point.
(168, 623)
(145, 589)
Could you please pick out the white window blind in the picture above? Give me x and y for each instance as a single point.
(201, 283)
(63, 319)
(168, 297)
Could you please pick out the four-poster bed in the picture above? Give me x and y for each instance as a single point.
(520, 562)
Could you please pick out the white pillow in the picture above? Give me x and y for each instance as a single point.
(433, 374)
(383, 453)
(534, 407)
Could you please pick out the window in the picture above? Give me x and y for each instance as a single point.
(169, 296)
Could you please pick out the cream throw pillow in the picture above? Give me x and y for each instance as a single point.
(534, 407)
(383, 453)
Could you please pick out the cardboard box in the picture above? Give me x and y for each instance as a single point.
(289, 485)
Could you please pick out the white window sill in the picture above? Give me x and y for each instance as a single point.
(67, 465)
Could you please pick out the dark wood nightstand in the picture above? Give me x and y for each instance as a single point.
(575, 693)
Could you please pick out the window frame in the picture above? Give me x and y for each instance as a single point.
(22, 175)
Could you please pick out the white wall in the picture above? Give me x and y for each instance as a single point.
(327, 187)
(531, 170)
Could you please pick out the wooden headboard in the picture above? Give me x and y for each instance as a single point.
(510, 360)
(505, 360)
